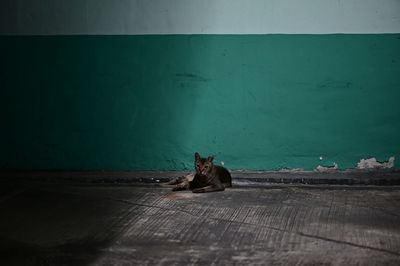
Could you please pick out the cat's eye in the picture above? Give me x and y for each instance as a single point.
(198, 165)
(206, 166)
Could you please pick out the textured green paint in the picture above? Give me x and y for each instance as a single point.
(149, 102)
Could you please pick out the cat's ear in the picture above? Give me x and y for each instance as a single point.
(197, 156)
(210, 158)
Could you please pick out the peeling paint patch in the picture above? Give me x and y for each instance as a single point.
(320, 168)
(293, 170)
(372, 163)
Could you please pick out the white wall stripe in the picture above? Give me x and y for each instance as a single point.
(49, 17)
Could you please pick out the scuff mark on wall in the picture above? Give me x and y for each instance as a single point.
(192, 77)
(335, 84)
(320, 168)
(372, 163)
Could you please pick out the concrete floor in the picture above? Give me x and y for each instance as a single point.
(52, 224)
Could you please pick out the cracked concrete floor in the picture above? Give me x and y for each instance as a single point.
(147, 225)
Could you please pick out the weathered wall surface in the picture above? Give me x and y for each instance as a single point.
(46, 17)
(149, 101)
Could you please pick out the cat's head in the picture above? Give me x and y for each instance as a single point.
(203, 165)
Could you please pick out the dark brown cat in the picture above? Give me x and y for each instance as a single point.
(208, 178)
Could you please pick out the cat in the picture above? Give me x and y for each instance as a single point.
(208, 177)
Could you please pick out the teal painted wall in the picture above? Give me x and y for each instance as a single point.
(149, 102)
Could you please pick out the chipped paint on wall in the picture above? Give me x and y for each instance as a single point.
(372, 163)
(321, 168)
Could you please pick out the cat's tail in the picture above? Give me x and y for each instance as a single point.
(173, 182)
(178, 180)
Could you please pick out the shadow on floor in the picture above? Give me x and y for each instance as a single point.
(50, 224)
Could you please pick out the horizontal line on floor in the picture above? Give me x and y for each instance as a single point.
(240, 178)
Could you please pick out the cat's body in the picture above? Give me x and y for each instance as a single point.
(208, 177)
(217, 180)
